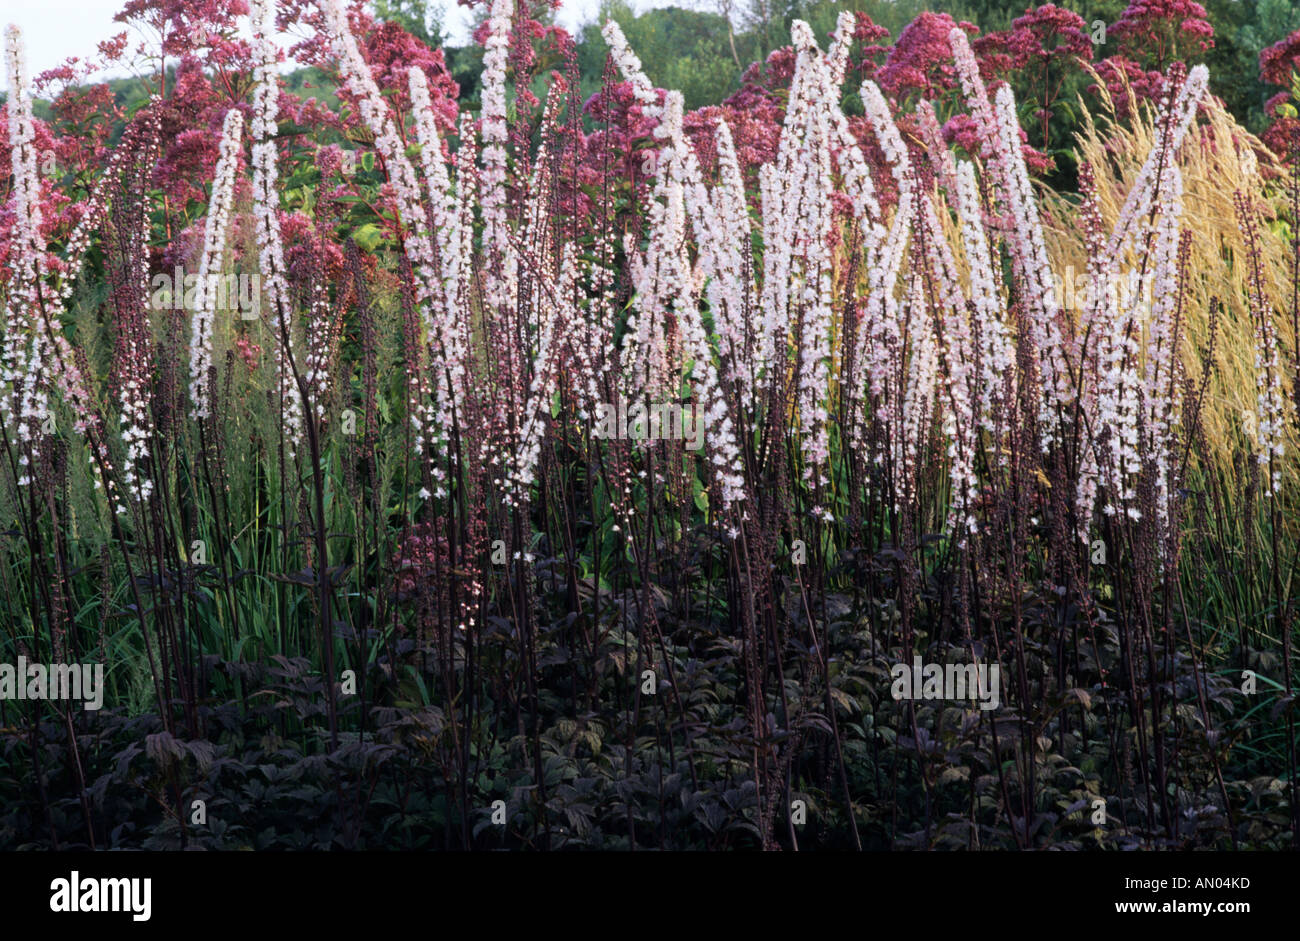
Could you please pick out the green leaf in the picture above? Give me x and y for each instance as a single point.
(368, 237)
(701, 496)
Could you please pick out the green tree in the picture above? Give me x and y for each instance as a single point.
(429, 26)
(686, 50)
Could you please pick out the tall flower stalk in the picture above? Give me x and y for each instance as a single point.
(208, 289)
(266, 204)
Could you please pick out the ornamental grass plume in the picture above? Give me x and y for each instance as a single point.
(1216, 158)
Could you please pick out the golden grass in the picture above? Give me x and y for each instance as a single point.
(1218, 157)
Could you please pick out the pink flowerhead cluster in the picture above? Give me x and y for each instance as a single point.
(921, 60)
(1043, 36)
(1278, 63)
(1164, 30)
(1277, 66)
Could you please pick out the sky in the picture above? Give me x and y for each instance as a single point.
(56, 29)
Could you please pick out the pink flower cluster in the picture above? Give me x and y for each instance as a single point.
(921, 60)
